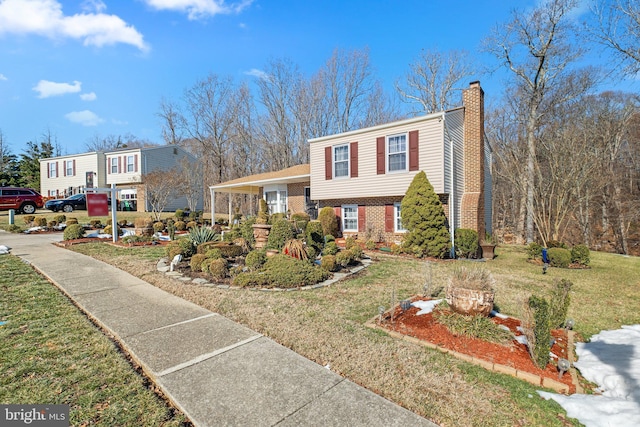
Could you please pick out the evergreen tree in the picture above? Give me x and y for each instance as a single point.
(30, 163)
(423, 216)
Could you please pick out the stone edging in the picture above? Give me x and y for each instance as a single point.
(495, 367)
(163, 267)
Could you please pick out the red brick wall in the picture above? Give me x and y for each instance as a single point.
(295, 197)
(472, 209)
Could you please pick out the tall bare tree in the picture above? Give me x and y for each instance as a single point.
(617, 26)
(172, 122)
(537, 48)
(433, 79)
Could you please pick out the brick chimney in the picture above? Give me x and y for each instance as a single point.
(472, 215)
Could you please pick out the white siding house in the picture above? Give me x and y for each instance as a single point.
(67, 175)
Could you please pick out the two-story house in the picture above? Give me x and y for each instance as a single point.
(67, 175)
(364, 174)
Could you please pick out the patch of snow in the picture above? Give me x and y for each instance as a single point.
(128, 232)
(4, 249)
(498, 315)
(522, 340)
(426, 307)
(611, 360)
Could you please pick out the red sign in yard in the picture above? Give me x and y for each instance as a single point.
(97, 204)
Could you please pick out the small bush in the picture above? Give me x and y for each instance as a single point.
(541, 331)
(246, 230)
(314, 235)
(213, 253)
(370, 245)
(218, 268)
(350, 242)
(276, 217)
(123, 222)
(329, 221)
(158, 226)
(281, 231)
(300, 220)
(14, 228)
(143, 222)
(95, 223)
(71, 221)
(73, 231)
(60, 218)
(534, 251)
(559, 303)
(556, 244)
(466, 241)
(559, 257)
(109, 230)
(206, 246)
(311, 252)
(231, 235)
(396, 249)
(256, 259)
(344, 258)
(284, 272)
(40, 221)
(580, 254)
(182, 246)
(329, 263)
(179, 214)
(28, 219)
(243, 243)
(51, 224)
(180, 225)
(330, 248)
(196, 262)
(227, 249)
(329, 238)
(357, 252)
(191, 225)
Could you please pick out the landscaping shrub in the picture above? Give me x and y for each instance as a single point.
(300, 220)
(243, 243)
(191, 224)
(206, 246)
(330, 248)
(109, 230)
(534, 251)
(284, 272)
(123, 222)
(329, 221)
(14, 228)
(423, 217)
(329, 238)
(357, 252)
(71, 221)
(200, 235)
(231, 235)
(213, 253)
(196, 262)
(171, 229)
(559, 303)
(179, 214)
(541, 331)
(580, 254)
(344, 258)
(227, 249)
(556, 244)
(559, 257)
(396, 249)
(246, 230)
(158, 226)
(329, 263)
(273, 218)
(295, 248)
(182, 246)
(28, 219)
(73, 231)
(181, 225)
(281, 231)
(370, 245)
(311, 252)
(51, 224)
(59, 218)
(40, 221)
(218, 268)
(141, 222)
(95, 223)
(256, 259)
(466, 243)
(350, 242)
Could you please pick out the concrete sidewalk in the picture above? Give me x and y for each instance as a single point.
(216, 371)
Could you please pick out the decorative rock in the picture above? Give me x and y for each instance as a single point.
(470, 301)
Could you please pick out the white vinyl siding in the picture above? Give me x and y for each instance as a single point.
(397, 153)
(350, 218)
(341, 161)
(454, 135)
(70, 177)
(369, 183)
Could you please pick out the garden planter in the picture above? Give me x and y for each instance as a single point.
(261, 234)
(487, 251)
(470, 301)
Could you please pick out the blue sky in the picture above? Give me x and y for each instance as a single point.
(84, 68)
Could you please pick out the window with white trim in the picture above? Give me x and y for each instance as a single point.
(130, 164)
(350, 218)
(397, 153)
(397, 219)
(68, 165)
(53, 170)
(341, 161)
(114, 165)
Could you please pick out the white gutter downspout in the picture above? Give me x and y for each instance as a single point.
(452, 199)
(213, 205)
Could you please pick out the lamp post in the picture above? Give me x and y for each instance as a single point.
(563, 366)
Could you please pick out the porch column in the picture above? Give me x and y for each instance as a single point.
(213, 206)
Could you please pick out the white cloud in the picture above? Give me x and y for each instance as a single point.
(85, 118)
(197, 9)
(45, 18)
(47, 89)
(93, 6)
(91, 96)
(3, 77)
(257, 73)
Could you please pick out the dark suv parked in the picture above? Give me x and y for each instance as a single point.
(25, 200)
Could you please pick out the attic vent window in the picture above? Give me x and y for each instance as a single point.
(175, 151)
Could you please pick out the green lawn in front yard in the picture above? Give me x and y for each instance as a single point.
(327, 325)
(50, 353)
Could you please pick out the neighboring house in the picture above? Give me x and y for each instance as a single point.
(124, 167)
(364, 174)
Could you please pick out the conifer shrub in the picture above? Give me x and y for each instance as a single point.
(196, 262)
(273, 218)
(329, 238)
(281, 231)
(73, 231)
(218, 268)
(534, 251)
(356, 252)
(329, 221)
(541, 331)
(243, 243)
(329, 263)
(28, 219)
(423, 217)
(370, 245)
(559, 257)
(192, 225)
(140, 222)
(300, 220)
(71, 221)
(95, 223)
(213, 253)
(228, 249)
(158, 226)
(466, 241)
(246, 230)
(109, 230)
(556, 244)
(311, 252)
(180, 225)
(51, 224)
(40, 221)
(59, 218)
(282, 271)
(331, 248)
(344, 258)
(231, 235)
(255, 259)
(179, 214)
(181, 246)
(350, 242)
(580, 254)
(559, 303)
